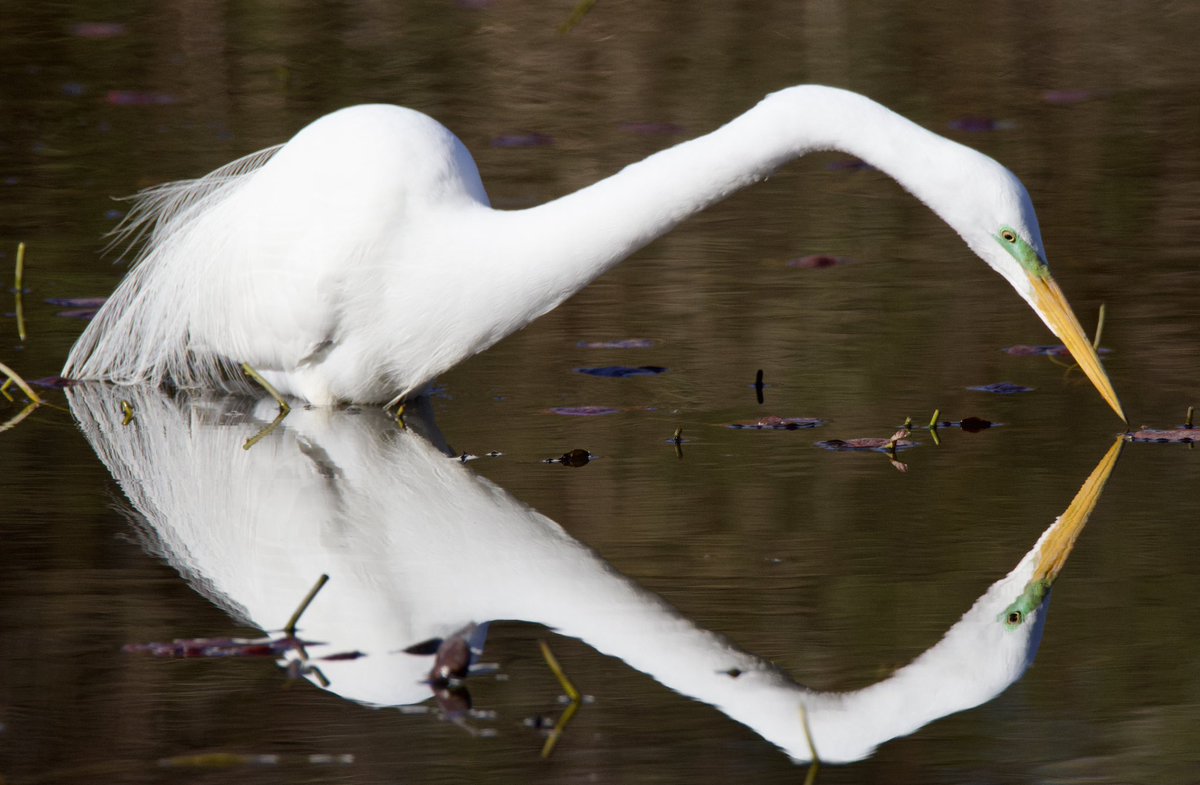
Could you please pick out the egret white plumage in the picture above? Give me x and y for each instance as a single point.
(421, 547)
(362, 258)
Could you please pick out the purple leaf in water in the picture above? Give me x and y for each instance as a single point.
(77, 302)
(848, 165)
(981, 124)
(627, 343)
(584, 411)
(97, 31)
(1174, 436)
(78, 313)
(816, 262)
(137, 98)
(527, 139)
(1002, 388)
(622, 371)
(1070, 97)
(773, 423)
(217, 647)
(53, 382)
(652, 129)
(1026, 350)
(868, 445)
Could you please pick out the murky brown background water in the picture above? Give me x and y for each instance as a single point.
(835, 566)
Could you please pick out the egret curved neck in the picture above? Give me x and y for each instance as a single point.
(559, 247)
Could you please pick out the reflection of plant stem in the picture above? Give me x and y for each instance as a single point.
(253, 374)
(21, 415)
(290, 627)
(572, 694)
(1099, 329)
(25, 388)
(577, 15)
(258, 437)
(1188, 422)
(19, 288)
(815, 765)
(126, 412)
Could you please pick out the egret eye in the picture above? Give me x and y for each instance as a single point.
(1014, 618)
(1009, 236)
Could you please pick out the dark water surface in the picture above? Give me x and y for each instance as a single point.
(832, 565)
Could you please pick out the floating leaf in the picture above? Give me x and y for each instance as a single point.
(1002, 388)
(218, 647)
(626, 343)
(773, 423)
(577, 457)
(97, 31)
(1173, 436)
(53, 382)
(77, 302)
(866, 445)
(622, 371)
(84, 314)
(973, 424)
(1026, 350)
(981, 124)
(848, 165)
(520, 140)
(584, 411)
(817, 262)
(137, 98)
(1071, 97)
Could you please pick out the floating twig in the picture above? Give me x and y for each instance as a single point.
(257, 377)
(572, 695)
(25, 388)
(577, 15)
(1099, 329)
(290, 627)
(814, 760)
(758, 386)
(19, 289)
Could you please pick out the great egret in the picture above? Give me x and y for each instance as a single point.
(418, 546)
(362, 259)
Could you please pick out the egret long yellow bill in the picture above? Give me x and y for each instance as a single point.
(1053, 306)
(1059, 540)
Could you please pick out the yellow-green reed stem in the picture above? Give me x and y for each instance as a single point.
(19, 289)
(290, 627)
(257, 377)
(572, 694)
(25, 388)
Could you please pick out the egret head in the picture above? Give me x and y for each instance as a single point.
(995, 215)
(1043, 564)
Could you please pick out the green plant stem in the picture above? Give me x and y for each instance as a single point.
(25, 388)
(257, 377)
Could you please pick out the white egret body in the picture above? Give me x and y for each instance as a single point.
(418, 546)
(362, 258)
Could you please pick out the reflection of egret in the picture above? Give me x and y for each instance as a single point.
(361, 259)
(419, 547)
